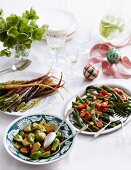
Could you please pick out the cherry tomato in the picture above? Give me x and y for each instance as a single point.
(82, 106)
(104, 92)
(106, 100)
(104, 105)
(117, 90)
(98, 106)
(82, 113)
(87, 115)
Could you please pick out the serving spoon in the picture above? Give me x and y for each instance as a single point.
(51, 136)
(21, 65)
(71, 136)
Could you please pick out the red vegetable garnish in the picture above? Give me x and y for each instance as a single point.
(82, 106)
(101, 106)
(117, 91)
(99, 124)
(104, 92)
(87, 116)
(82, 113)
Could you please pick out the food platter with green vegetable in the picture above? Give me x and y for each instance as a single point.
(25, 136)
(28, 92)
(97, 104)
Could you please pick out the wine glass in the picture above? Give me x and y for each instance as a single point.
(56, 45)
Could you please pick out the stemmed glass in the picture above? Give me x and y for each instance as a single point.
(56, 45)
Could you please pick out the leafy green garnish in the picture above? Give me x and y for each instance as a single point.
(1, 12)
(5, 52)
(30, 15)
(20, 30)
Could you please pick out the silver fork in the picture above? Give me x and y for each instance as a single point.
(112, 119)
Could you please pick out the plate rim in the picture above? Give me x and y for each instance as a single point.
(37, 163)
(105, 131)
(69, 30)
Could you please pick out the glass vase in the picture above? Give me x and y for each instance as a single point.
(20, 52)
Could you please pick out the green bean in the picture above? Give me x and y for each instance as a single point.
(90, 92)
(110, 111)
(127, 109)
(93, 113)
(112, 99)
(88, 95)
(114, 95)
(117, 122)
(122, 105)
(119, 111)
(77, 117)
(75, 103)
(111, 125)
(78, 98)
(91, 87)
(94, 128)
(104, 118)
(89, 129)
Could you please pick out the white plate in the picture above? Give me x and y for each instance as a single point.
(60, 21)
(81, 93)
(45, 103)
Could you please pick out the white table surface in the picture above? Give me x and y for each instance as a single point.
(108, 152)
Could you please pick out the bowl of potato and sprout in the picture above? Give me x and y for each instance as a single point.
(25, 136)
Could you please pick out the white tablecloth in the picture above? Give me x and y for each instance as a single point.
(106, 152)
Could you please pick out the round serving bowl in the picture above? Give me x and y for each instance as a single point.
(19, 124)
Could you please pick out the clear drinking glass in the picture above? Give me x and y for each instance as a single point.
(56, 45)
(71, 57)
(84, 38)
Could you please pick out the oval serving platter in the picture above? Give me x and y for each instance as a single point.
(82, 93)
(45, 102)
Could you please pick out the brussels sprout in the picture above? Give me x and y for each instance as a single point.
(17, 145)
(36, 155)
(31, 137)
(45, 154)
(22, 133)
(40, 136)
(50, 127)
(18, 138)
(34, 124)
(38, 127)
(43, 122)
(36, 146)
(55, 144)
(27, 128)
(58, 134)
(25, 142)
(41, 149)
(37, 131)
(24, 150)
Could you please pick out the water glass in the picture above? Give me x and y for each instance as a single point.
(71, 56)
